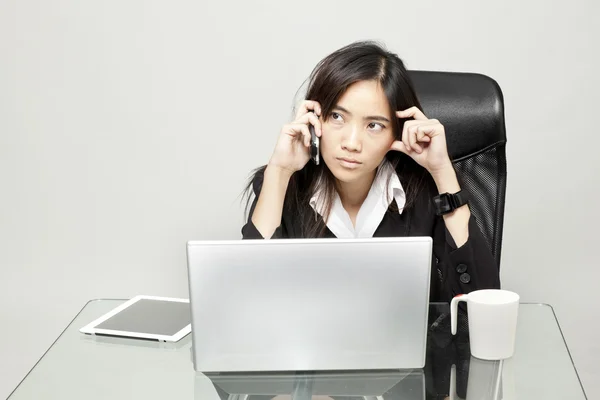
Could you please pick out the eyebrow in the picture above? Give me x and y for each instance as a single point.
(368, 117)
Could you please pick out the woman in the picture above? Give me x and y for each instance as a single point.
(382, 163)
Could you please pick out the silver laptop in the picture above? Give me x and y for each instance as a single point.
(309, 304)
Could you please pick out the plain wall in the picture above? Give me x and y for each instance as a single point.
(129, 127)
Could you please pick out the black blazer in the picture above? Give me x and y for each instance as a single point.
(454, 270)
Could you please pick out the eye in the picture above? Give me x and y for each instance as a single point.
(374, 126)
(336, 117)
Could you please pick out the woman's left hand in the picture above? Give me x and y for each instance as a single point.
(424, 140)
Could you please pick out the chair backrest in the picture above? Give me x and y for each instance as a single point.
(471, 108)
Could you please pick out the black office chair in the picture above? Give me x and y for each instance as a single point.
(471, 108)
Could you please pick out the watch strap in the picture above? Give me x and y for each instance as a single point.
(446, 203)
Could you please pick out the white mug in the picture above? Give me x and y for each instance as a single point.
(492, 322)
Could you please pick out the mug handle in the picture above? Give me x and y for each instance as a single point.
(454, 310)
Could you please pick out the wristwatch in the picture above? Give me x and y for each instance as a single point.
(445, 203)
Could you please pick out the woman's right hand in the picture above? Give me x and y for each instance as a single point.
(292, 150)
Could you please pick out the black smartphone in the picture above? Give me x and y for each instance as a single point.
(314, 145)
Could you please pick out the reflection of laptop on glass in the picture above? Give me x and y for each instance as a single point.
(349, 385)
(309, 304)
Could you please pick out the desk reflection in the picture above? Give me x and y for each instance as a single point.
(346, 385)
(450, 373)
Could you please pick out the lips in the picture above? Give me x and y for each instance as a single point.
(349, 160)
(349, 163)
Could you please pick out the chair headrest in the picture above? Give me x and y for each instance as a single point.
(469, 105)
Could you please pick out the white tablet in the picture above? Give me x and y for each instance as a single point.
(145, 317)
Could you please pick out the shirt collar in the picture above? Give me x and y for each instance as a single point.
(386, 186)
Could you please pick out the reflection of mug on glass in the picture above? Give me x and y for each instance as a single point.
(485, 378)
(492, 322)
(484, 381)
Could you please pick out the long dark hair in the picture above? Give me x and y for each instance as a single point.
(359, 61)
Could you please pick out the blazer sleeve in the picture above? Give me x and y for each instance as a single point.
(249, 230)
(468, 267)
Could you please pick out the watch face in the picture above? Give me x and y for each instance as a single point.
(442, 204)
(446, 202)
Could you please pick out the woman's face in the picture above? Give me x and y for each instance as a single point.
(357, 133)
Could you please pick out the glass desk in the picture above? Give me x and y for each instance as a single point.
(79, 366)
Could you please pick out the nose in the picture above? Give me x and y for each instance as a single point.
(352, 140)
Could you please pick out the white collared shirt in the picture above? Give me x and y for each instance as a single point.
(372, 210)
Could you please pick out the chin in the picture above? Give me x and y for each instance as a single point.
(346, 175)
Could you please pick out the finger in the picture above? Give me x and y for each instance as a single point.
(316, 122)
(412, 139)
(398, 145)
(413, 112)
(298, 132)
(428, 123)
(307, 136)
(423, 129)
(308, 105)
(313, 119)
(404, 137)
(303, 133)
(421, 134)
(424, 133)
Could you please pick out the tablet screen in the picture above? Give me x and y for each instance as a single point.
(156, 317)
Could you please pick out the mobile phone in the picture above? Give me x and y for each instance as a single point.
(314, 145)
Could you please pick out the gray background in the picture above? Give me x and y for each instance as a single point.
(129, 127)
